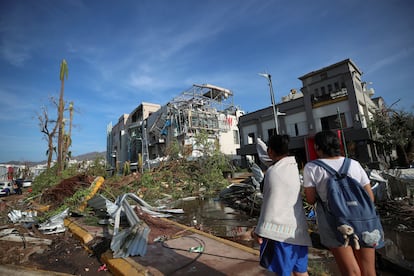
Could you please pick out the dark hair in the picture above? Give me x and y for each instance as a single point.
(328, 142)
(279, 144)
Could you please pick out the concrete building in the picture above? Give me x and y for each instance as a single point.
(334, 98)
(145, 134)
(124, 139)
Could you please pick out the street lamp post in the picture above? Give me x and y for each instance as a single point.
(272, 98)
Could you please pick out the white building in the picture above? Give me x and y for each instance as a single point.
(146, 133)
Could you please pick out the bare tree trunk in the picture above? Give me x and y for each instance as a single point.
(50, 135)
(61, 108)
(67, 138)
(61, 129)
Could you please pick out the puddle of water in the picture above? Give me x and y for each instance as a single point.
(216, 218)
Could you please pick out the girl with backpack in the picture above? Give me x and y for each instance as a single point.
(350, 260)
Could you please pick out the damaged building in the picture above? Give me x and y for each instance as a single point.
(332, 98)
(142, 137)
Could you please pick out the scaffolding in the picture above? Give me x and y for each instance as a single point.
(206, 107)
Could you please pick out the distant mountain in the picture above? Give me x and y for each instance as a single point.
(90, 156)
(87, 156)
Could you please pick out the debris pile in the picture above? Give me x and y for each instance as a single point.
(56, 195)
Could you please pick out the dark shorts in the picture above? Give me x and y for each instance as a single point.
(283, 258)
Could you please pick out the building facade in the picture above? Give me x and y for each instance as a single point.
(331, 98)
(143, 136)
(125, 138)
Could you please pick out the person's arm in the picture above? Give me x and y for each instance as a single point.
(261, 149)
(309, 187)
(310, 195)
(367, 188)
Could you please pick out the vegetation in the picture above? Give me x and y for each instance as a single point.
(178, 177)
(60, 121)
(182, 176)
(395, 130)
(56, 127)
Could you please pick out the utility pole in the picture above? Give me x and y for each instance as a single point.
(272, 98)
(342, 132)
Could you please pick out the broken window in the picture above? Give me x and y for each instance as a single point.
(236, 137)
(250, 138)
(332, 122)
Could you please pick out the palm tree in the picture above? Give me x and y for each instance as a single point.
(67, 138)
(61, 107)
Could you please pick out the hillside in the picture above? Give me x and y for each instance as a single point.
(87, 156)
(90, 156)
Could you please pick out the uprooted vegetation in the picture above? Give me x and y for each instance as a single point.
(176, 178)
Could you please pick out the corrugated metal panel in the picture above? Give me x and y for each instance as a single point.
(133, 240)
(99, 202)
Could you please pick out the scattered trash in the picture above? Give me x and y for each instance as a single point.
(102, 268)
(106, 222)
(55, 224)
(160, 238)
(18, 216)
(401, 227)
(189, 198)
(196, 249)
(12, 235)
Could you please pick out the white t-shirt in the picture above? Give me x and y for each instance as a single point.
(316, 176)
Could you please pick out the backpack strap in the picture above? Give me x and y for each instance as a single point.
(328, 168)
(340, 173)
(345, 166)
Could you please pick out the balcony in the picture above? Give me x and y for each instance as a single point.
(330, 98)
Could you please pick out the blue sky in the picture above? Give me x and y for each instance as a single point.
(122, 53)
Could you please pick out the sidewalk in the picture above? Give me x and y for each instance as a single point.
(173, 257)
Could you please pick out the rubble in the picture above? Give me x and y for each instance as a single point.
(13, 235)
(55, 224)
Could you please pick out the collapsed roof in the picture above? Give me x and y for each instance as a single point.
(200, 107)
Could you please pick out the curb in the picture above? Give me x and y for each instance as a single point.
(123, 266)
(78, 231)
(117, 266)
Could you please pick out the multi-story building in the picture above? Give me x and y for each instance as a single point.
(146, 133)
(124, 139)
(331, 98)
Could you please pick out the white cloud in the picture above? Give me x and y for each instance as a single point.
(386, 61)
